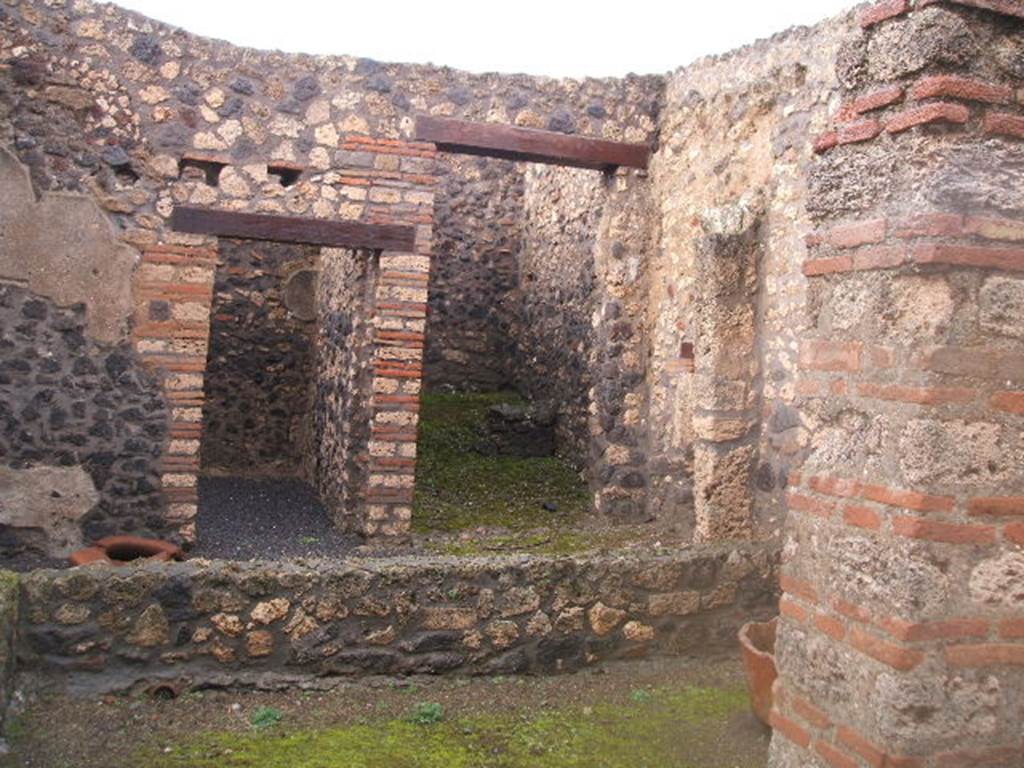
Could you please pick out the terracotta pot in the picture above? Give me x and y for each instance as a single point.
(757, 643)
(121, 550)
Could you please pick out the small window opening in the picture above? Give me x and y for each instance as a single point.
(194, 166)
(286, 174)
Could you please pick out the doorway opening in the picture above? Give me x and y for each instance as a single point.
(257, 489)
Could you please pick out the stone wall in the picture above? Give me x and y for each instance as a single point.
(901, 637)
(341, 413)
(261, 369)
(472, 323)
(81, 429)
(142, 117)
(556, 297)
(736, 146)
(98, 629)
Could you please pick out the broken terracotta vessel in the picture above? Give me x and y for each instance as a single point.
(121, 550)
(757, 642)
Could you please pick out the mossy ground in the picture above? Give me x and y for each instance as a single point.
(654, 713)
(654, 729)
(459, 488)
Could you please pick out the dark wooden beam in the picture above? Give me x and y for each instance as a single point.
(513, 143)
(293, 229)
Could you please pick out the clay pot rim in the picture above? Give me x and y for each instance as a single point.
(156, 546)
(151, 550)
(748, 644)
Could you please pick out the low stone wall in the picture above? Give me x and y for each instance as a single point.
(8, 637)
(217, 623)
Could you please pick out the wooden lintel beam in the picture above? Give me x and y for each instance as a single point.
(529, 144)
(293, 229)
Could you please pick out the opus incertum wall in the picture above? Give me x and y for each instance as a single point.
(103, 105)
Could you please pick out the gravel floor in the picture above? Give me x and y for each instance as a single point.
(242, 519)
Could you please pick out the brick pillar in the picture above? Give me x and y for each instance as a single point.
(901, 641)
(173, 292)
(391, 182)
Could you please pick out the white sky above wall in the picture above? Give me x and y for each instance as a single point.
(560, 38)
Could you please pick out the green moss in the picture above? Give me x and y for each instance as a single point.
(459, 488)
(681, 728)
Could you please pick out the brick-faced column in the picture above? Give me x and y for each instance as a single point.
(901, 640)
(399, 318)
(173, 292)
(391, 182)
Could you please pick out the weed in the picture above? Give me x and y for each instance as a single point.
(426, 713)
(265, 717)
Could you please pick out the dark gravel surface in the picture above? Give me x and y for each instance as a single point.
(242, 519)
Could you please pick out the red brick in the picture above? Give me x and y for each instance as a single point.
(833, 756)
(883, 97)
(882, 11)
(952, 629)
(863, 130)
(856, 233)
(979, 362)
(412, 277)
(947, 533)
(807, 711)
(956, 87)
(1014, 532)
(920, 502)
(1012, 629)
(930, 225)
(792, 610)
(810, 388)
(880, 357)
(1000, 506)
(825, 142)
(861, 517)
(882, 257)
(1003, 124)
(994, 228)
(172, 330)
(917, 395)
(871, 754)
(815, 267)
(903, 659)
(798, 587)
(830, 625)
(1012, 402)
(835, 486)
(809, 505)
(985, 655)
(851, 611)
(942, 111)
(820, 355)
(971, 256)
(795, 733)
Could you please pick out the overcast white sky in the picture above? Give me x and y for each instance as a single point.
(542, 37)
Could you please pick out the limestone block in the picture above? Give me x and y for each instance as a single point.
(723, 492)
(1001, 301)
(50, 500)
